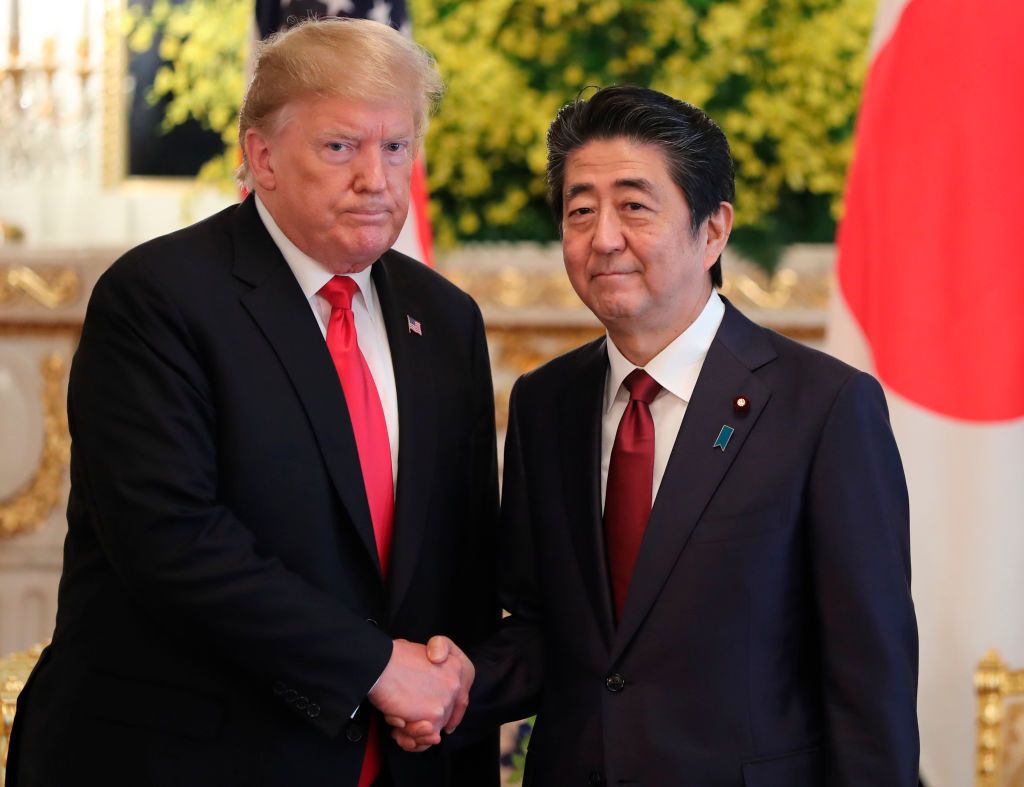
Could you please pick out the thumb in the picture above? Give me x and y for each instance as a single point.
(438, 649)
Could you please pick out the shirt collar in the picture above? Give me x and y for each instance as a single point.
(677, 367)
(310, 274)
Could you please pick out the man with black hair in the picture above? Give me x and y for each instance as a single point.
(705, 525)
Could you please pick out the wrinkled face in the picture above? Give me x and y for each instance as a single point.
(334, 173)
(626, 239)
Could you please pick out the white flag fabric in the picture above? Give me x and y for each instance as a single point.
(930, 298)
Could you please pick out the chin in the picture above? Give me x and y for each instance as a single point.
(612, 309)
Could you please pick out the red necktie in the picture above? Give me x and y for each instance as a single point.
(627, 505)
(373, 445)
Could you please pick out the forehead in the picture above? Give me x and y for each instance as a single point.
(605, 161)
(317, 114)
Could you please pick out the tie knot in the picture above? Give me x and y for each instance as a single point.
(641, 386)
(339, 291)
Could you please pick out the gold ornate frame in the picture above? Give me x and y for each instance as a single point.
(28, 508)
(114, 153)
(994, 682)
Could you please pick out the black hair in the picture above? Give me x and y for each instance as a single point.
(696, 149)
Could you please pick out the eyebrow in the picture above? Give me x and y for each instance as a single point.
(640, 184)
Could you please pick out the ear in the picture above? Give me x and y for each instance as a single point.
(258, 154)
(719, 226)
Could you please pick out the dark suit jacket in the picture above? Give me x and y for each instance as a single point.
(768, 638)
(222, 611)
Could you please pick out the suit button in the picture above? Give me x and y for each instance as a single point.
(615, 683)
(595, 779)
(302, 703)
(313, 710)
(290, 695)
(279, 688)
(353, 732)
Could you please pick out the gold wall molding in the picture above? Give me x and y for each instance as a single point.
(517, 288)
(511, 278)
(14, 672)
(29, 507)
(787, 288)
(53, 288)
(999, 755)
(114, 163)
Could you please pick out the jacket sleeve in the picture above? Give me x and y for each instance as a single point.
(510, 665)
(860, 546)
(144, 419)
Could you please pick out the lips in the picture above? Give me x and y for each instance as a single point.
(369, 215)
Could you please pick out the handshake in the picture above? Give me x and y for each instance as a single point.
(423, 689)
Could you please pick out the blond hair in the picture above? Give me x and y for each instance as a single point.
(355, 59)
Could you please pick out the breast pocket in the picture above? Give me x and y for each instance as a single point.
(749, 524)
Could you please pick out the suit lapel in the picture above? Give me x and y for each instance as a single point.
(695, 468)
(580, 409)
(282, 313)
(418, 432)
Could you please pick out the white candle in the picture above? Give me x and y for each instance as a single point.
(83, 45)
(15, 23)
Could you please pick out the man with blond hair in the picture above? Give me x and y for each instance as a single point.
(283, 473)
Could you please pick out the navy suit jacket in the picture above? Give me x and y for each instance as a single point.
(768, 638)
(222, 610)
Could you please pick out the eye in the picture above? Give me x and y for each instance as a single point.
(634, 206)
(395, 147)
(581, 211)
(337, 147)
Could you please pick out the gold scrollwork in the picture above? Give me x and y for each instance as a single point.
(513, 288)
(53, 289)
(520, 348)
(786, 289)
(994, 682)
(31, 504)
(14, 671)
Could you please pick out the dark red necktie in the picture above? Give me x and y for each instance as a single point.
(373, 445)
(627, 505)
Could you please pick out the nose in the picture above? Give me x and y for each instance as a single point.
(608, 237)
(369, 170)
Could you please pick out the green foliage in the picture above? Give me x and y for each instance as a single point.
(517, 757)
(205, 45)
(782, 78)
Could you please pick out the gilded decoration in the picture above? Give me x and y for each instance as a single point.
(532, 313)
(115, 118)
(748, 287)
(52, 289)
(516, 350)
(517, 288)
(1000, 744)
(28, 508)
(14, 671)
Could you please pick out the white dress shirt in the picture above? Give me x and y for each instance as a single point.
(370, 329)
(676, 369)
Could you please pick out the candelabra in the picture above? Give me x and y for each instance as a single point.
(48, 103)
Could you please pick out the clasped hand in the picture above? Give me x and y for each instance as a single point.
(424, 689)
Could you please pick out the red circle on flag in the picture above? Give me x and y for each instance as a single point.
(930, 247)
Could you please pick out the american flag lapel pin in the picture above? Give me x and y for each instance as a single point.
(414, 325)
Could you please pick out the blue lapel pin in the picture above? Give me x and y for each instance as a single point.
(723, 437)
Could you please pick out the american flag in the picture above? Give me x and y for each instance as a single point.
(414, 325)
(416, 239)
